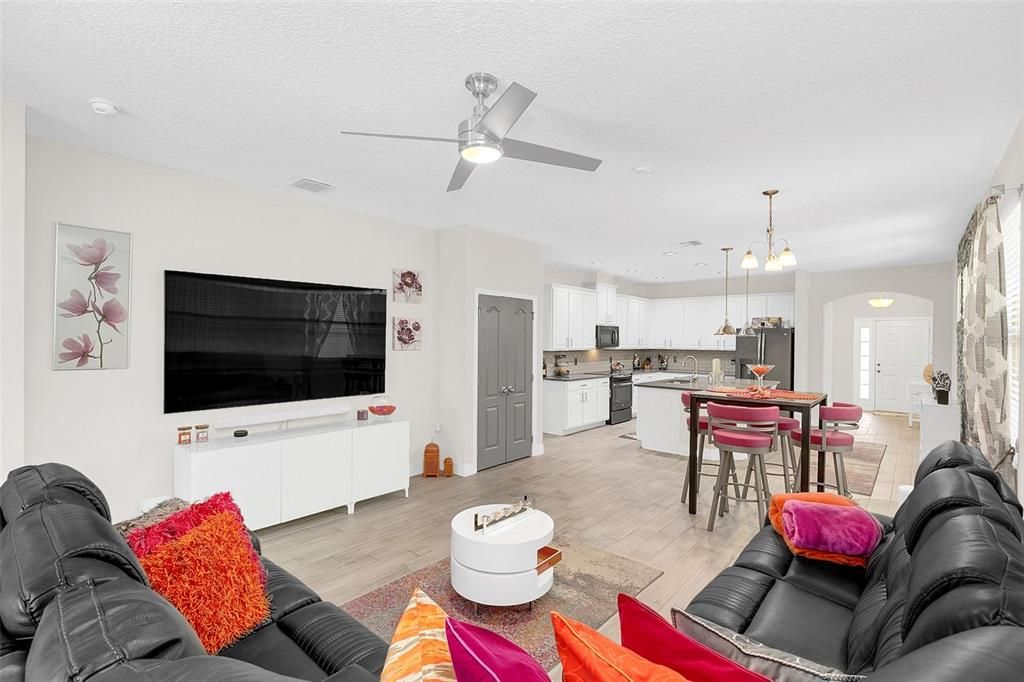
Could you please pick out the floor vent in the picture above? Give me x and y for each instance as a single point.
(311, 185)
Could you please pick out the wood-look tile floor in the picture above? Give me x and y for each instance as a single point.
(599, 488)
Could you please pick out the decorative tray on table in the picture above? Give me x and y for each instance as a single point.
(482, 522)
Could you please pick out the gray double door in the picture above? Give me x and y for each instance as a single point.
(505, 380)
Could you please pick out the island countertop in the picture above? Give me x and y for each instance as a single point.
(702, 383)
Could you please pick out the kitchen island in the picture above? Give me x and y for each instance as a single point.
(660, 420)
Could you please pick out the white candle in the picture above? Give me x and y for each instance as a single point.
(716, 366)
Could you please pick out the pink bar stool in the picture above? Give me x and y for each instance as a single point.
(702, 432)
(748, 430)
(788, 463)
(837, 419)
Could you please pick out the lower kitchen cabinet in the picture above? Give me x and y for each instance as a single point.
(571, 406)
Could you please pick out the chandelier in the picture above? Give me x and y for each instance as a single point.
(772, 262)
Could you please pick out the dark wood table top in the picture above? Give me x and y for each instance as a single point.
(784, 403)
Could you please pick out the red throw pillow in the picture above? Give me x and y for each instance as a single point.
(646, 633)
(202, 561)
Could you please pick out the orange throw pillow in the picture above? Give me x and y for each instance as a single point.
(775, 516)
(589, 656)
(208, 574)
(419, 648)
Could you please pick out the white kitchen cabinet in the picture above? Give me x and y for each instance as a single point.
(712, 314)
(571, 406)
(638, 315)
(607, 310)
(780, 305)
(758, 306)
(571, 318)
(668, 324)
(691, 330)
(622, 319)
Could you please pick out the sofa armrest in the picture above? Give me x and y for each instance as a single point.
(985, 653)
(255, 539)
(352, 673)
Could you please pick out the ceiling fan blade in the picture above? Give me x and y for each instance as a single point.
(400, 137)
(500, 118)
(461, 174)
(527, 151)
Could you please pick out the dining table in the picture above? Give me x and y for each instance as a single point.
(803, 405)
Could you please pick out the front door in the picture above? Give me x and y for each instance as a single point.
(891, 354)
(505, 380)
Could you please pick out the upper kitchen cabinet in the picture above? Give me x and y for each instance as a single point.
(780, 305)
(570, 318)
(638, 322)
(607, 309)
(668, 324)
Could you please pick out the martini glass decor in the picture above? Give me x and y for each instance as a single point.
(760, 371)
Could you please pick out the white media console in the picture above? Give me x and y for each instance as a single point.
(278, 476)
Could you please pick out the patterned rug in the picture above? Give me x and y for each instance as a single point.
(862, 467)
(586, 584)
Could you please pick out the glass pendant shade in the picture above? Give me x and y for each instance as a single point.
(772, 264)
(787, 259)
(749, 261)
(880, 301)
(726, 329)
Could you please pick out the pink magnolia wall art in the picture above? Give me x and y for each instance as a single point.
(407, 333)
(92, 284)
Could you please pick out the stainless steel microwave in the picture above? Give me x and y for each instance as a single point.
(607, 336)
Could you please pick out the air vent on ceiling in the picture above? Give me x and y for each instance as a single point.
(692, 242)
(311, 185)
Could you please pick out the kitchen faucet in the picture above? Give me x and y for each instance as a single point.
(690, 357)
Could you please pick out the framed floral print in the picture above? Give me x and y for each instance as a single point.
(407, 333)
(407, 285)
(92, 280)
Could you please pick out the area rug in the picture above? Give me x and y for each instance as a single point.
(586, 584)
(629, 436)
(862, 467)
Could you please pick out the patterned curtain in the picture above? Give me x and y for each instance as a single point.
(982, 343)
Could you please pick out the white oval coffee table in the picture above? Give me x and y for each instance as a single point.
(508, 564)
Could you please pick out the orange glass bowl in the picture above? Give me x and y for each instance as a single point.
(381, 410)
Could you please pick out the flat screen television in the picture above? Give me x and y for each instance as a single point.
(231, 341)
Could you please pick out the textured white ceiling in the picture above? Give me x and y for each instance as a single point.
(881, 123)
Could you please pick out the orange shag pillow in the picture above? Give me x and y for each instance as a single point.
(211, 574)
(775, 516)
(589, 656)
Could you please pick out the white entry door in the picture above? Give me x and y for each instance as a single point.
(890, 355)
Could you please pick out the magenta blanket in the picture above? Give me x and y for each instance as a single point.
(830, 528)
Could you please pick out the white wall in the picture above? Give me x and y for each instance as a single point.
(838, 328)
(110, 424)
(12, 284)
(473, 260)
(935, 283)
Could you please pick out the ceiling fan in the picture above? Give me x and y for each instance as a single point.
(482, 136)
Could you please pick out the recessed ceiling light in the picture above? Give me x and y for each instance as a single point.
(692, 242)
(643, 170)
(700, 265)
(632, 270)
(668, 253)
(103, 107)
(596, 262)
(658, 277)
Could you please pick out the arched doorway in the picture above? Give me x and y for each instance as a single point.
(874, 357)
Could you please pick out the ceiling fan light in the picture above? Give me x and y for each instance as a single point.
(772, 264)
(749, 261)
(787, 259)
(880, 302)
(481, 152)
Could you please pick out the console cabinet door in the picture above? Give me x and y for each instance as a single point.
(380, 459)
(316, 474)
(251, 473)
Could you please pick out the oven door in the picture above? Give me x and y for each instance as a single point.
(622, 395)
(607, 336)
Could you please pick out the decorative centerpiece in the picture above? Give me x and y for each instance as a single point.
(432, 460)
(382, 407)
(482, 522)
(941, 384)
(760, 371)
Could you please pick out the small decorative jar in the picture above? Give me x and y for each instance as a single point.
(202, 433)
(362, 415)
(431, 460)
(184, 435)
(382, 407)
(449, 467)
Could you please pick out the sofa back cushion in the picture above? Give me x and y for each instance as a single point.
(50, 546)
(966, 572)
(35, 484)
(91, 627)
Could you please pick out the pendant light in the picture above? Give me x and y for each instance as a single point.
(748, 328)
(726, 329)
(881, 301)
(772, 262)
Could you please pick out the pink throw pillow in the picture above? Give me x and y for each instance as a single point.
(646, 633)
(479, 655)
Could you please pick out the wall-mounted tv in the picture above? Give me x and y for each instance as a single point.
(231, 341)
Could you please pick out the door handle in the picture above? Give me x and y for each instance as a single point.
(510, 389)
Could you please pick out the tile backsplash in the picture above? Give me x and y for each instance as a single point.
(598, 359)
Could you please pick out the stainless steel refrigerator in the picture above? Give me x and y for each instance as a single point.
(769, 347)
